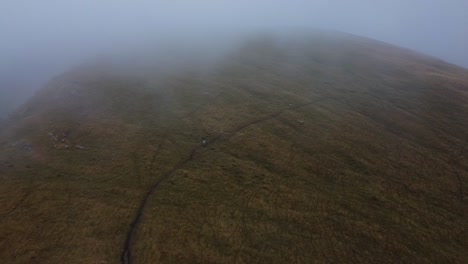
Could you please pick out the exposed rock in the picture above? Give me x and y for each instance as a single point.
(61, 146)
(22, 145)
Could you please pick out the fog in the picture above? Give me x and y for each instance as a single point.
(41, 39)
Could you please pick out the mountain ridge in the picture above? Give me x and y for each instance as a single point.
(326, 148)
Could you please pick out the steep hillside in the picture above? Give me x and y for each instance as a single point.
(325, 148)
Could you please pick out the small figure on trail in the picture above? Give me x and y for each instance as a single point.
(203, 141)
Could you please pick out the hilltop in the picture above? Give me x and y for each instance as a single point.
(317, 148)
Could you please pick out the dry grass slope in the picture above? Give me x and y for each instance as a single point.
(321, 150)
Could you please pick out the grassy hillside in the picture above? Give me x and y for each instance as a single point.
(321, 149)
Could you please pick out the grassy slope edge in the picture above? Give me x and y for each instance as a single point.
(372, 171)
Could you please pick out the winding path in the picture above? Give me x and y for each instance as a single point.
(126, 257)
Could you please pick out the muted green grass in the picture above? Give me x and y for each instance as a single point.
(367, 173)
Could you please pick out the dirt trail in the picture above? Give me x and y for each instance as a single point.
(126, 257)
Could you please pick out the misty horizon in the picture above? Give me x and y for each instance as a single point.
(268, 131)
(41, 40)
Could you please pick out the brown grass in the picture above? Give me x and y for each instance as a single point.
(372, 172)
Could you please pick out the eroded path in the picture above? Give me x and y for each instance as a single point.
(126, 257)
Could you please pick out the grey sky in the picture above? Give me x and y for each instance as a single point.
(48, 36)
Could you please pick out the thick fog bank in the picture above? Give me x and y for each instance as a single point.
(41, 39)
